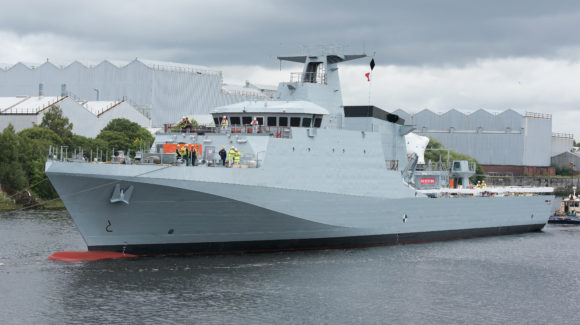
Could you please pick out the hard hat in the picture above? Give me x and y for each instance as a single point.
(223, 147)
(224, 116)
(184, 117)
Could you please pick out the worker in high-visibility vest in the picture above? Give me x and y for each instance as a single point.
(185, 154)
(181, 152)
(224, 124)
(231, 154)
(237, 156)
(193, 156)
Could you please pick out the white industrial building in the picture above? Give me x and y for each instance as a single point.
(88, 117)
(165, 91)
(506, 143)
(562, 142)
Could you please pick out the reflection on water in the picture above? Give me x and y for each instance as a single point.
(530, 278)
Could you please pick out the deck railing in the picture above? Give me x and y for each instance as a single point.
(275, 131)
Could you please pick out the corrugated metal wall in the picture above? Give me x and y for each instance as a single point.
(166, 92)
(508, 138)
(564, 159)
(561, 143)
(538, 141)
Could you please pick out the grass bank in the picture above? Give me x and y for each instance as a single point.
(7, 204)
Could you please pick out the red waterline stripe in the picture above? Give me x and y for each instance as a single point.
(88, 256)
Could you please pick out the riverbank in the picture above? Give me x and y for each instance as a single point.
(9, 205)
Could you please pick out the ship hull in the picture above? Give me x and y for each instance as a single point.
(172, 216)
(264, 246)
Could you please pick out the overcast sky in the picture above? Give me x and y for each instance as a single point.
(437, 54)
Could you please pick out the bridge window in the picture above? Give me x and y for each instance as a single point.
(216, 121)
(283, 121)
(235, 120)
(306, 122)
(271, 120)
(246, 120)
(317, 122)
(295, 121)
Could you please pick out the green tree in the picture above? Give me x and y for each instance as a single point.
(123, 134)
(115, 140)
(54, 120)
(89, 146)
(45, 136)
(11, 170)
(37, 142)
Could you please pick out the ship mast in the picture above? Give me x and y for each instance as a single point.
(319, 83)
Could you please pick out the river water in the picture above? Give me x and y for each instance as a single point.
(520, 279)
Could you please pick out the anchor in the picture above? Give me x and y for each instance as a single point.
(121, 195)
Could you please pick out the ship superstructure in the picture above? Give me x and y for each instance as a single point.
(305, 179)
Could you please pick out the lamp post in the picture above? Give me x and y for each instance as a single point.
(97, 91)
(571, 164)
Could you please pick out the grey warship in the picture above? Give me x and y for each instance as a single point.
(313, 174)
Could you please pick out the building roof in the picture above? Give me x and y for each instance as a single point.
(35, 104)
(7, 102)
(26, 105)
(153, 64)
(98, 107)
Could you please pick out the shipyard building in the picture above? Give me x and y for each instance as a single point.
(508, 143)
(161, 91)
(88, 117)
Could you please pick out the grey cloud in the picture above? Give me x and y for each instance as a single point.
(232, 32)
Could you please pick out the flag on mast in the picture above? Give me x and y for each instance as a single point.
(368, 74)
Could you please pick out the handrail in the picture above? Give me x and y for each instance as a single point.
(563, 135)
(163, 67)
(109, 107)
(284, 132)
(243, 93)
(538, 115)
